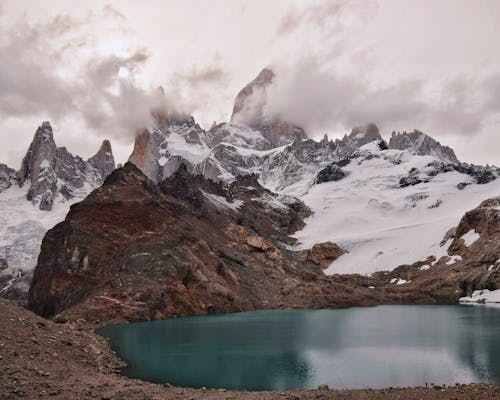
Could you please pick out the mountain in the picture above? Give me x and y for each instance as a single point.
(378, 197)
(8, 177)
(389, 207)
(134, 250)
(52, 171)
(248, 110)
(422, 144)
(35, 198)
(386, 203)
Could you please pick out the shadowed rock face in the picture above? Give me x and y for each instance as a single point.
(133, 250)
(103, 160)
(8, 177)
(52, 170)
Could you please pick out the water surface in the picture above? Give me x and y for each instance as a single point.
(350, 348)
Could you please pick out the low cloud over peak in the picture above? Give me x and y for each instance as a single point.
(94, 71)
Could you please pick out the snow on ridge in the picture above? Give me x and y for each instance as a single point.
(221, 202)
(381, 224)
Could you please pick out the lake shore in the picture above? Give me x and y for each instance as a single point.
(42, 359)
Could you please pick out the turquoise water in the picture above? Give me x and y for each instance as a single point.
(350, 348)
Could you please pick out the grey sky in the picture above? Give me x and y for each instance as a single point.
(93, 69)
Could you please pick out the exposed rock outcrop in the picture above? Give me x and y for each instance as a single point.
(159, 151)
(103, 160)
(133, 251)
(471, 262)
(8, 177)
(330, 173)
(422, 144)
(52, 170)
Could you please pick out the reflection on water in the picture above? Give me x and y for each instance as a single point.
(351, 348)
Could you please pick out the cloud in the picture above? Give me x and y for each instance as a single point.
(38, 76)
(209, 75)
(307, 94)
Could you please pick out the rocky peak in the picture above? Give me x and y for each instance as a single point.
(8, 177)
(40, 154)
(241, 103)
(103, 160)
(361, 135)
(51, 170)
(248, 110)
(189, 187)
(422, 144)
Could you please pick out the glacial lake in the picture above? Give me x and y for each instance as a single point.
(350, 348)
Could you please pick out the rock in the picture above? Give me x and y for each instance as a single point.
(323, 254)
(8, 177)
(258, 243)
(156, 252)
(330, 173)
(103, 161)
(45, 165)
(421, 144)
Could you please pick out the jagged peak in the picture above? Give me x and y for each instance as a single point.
(364, 134)
(422, 144)
(103, 160)
(241, 102)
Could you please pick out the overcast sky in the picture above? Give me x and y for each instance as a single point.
(93, 69)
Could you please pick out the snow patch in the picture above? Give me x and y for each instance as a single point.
(482, 296)
(470, 237)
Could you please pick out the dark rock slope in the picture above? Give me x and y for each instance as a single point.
(133, 250)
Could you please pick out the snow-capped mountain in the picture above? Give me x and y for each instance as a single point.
(38, 196)
(390, 207)
(387, 203)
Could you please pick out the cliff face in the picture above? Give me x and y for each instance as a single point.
(8, 177)
(52, 171)
(133, 250)
(422, 144)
